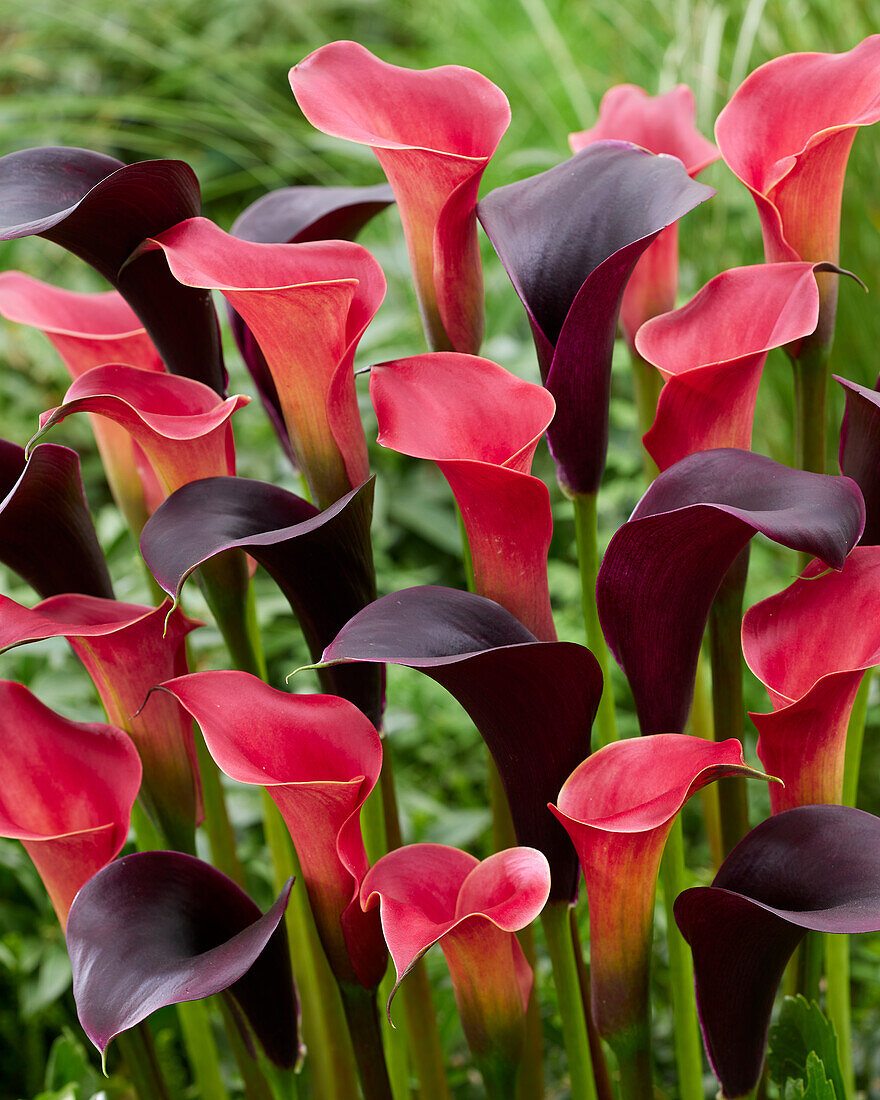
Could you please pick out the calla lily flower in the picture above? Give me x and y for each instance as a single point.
(321, 561)
(618, 807)
(101, 209)
(533, 702)
(663, 567)
(481, 425)
(433, 132)
(319, 758)
(307, 306)
(661, 124)
(292, 215)
(810, 646)
(88, 330)
(46, 532)
(66, 791)
(811, 868)
(569, 239)
(860, 451)
(711, 354)
(126, 650)
(180, 425)
(429, 893)
(157, 928)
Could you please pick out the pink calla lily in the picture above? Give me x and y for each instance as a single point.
(66, 791)
(433, 132)
(810, 646)
(481, 425)
(307, 305)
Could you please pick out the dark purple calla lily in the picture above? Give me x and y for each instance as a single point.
(321, 561)
(569, 239)
(859, 454)
(157, 928)
(663, 567)
(46, 532)
(533, 702)
(811, 868)
(100, 210)
(291, 215)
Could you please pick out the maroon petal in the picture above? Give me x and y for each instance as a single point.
(811, 868)
(157, 928)
(860, 451)
(321, 561)
(100, 210)
(663, 567)
(533, 702)
(46, 532)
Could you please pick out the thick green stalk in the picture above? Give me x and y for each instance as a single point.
(586, 531)
(560, 947)
(647, 384)
(701, 725)
(604, 1088)
(229, 595)
(855, 736)
(221, 837)
(201, 1050)
(688, 1046)
(810, 387)
(362, 1015)
(142, 1065)
(837, 1002)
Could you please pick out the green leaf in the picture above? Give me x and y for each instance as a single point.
(801, 1031)
(818, 1086)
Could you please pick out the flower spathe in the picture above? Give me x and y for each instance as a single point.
(433, 132)
(859, 454)
(66, 791)
(431, 893)
(481, 425)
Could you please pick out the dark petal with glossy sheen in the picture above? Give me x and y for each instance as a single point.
(296, 214)
(46, 532)
(533, 702)
(321, 561)
(100, 209)
(663, 567)
(569, 239)
(860, 451)
(157, 928)
(810, 868)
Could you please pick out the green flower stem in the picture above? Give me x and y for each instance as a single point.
(810, 957)
(499, 1077)
(855, 736)
(586, 530)
(647, 384)
(229, 595)
(837, 1002)
(142, 1065)
(262, 1080)
(728, 713)
(810, 387)
(221, 838)
(560, 947)
(201, 1050)
(701, 725)
(362, 1015)
(604, 1088)
(688, 1046)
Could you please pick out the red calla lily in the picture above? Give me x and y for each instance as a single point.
(66, 791)
(128, 649)
(481, 425)
(430, 893)
(307, 306)
(661, 124)
(711, 354)
(810, 646)
(319, 757)
(618, 808)
(433, 132)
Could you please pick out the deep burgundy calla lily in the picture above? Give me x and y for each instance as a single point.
(860, 451)
(319, 758)
(157, 928)
(481, 425)
(533, 702)
(66, 791)
(430, 893)
(100, 209)
(569, 239)
(810, 646)
(321, 561)
(46, 532)
(433, 131)
(127, 649)
(180, 425)
(292, 215)
(711, 354)
(307, 306)
(810, 868)
(618, 807)
(663, 567)
(88, 330)
(661, 124)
